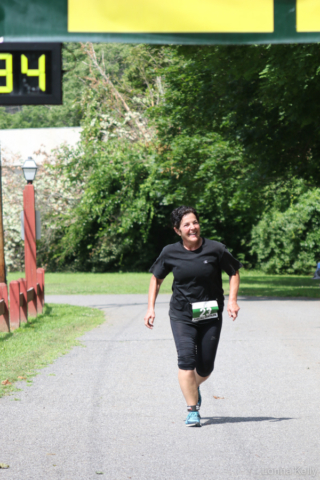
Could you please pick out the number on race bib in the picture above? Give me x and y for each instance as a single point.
(205, 312)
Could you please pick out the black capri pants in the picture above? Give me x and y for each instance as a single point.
(197, 344)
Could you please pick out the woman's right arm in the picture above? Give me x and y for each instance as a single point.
(155, 284)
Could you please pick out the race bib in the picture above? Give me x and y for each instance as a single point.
(204, 310)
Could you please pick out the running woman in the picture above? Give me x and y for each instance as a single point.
(197, 301)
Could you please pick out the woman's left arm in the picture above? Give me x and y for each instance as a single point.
(233, 307)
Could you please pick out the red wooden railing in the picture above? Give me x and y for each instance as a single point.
(21, 299)
(26, 294)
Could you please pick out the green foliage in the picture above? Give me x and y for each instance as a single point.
(261, 100)
(12, 201)
(131, 182)
(289, 241)
(230, 130)
(206, 172)
(112, 218)
(261, 97)
(194, 163)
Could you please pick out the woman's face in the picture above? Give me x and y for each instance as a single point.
(189, 229)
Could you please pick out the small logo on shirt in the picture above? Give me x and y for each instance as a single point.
(205, 261)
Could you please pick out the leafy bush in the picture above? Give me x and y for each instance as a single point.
(208, 173)
(109, 226)
(289, 241)
(165, 126)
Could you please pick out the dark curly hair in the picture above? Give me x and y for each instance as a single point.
(179, 212)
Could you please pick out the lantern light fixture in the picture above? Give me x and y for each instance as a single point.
(30, 170)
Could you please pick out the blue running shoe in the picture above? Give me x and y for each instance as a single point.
(199, 398)
(193, 419)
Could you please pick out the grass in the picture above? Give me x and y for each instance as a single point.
(42, 340)
(253, 283)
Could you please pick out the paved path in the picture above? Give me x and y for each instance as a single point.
(115, 406)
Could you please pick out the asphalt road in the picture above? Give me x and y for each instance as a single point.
(113, 409)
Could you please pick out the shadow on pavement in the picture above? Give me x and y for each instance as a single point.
(217, 420)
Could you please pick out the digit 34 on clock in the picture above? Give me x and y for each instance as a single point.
(30, 74)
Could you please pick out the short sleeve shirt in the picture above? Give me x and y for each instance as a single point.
(196, 273)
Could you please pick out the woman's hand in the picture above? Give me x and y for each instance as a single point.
(233, 309)
(155, 284)
(149, 318)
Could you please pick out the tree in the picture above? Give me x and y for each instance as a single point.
(111, 166)
(261, 97)
(206, 172)
(289, 241)
(225, 129)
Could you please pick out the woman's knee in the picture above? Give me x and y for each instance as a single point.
(186, 373)
(204, 372)
(186, 362)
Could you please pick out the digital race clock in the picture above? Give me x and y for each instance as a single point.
(30, 74)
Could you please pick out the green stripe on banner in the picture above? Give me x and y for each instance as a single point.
(47, 20)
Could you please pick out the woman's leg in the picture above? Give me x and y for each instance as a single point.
(185, 337)
(196, 347)
(199, 379)
(189, 382)
(188, 385)
(207, 345)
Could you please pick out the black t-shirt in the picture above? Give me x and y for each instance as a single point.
(197, 274)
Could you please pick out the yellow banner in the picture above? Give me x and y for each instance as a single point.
(308, 15)
(171, 16)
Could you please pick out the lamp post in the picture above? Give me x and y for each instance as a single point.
(29, 170)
